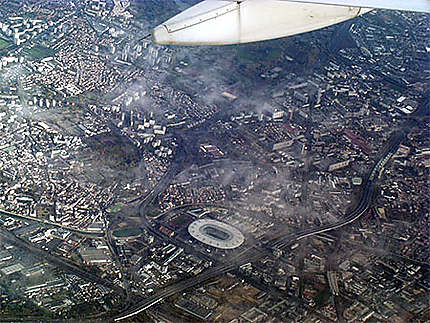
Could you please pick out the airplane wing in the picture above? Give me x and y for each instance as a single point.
(405, 5)
(224, 22)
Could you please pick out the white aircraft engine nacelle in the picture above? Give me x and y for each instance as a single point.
(215, 22)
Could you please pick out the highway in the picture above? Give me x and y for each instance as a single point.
(250, 255)
(58, 261)
(93, 234)
(362, 206)
(254, 253)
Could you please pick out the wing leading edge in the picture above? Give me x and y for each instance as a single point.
(405, 5)
(224, 22)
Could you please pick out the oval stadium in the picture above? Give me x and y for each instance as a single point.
(216, 234)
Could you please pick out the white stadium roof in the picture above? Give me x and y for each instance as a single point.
(216, 234)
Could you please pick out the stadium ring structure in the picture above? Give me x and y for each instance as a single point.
(216, 234)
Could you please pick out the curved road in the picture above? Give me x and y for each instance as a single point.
(58, 261)
(254, 253)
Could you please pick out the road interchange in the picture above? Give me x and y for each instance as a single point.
(256, 253)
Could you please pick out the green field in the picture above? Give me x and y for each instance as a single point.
(40, 52)
(115, 208)
(127, 232)
(257, 54)
(10, 148)
(4, 43)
